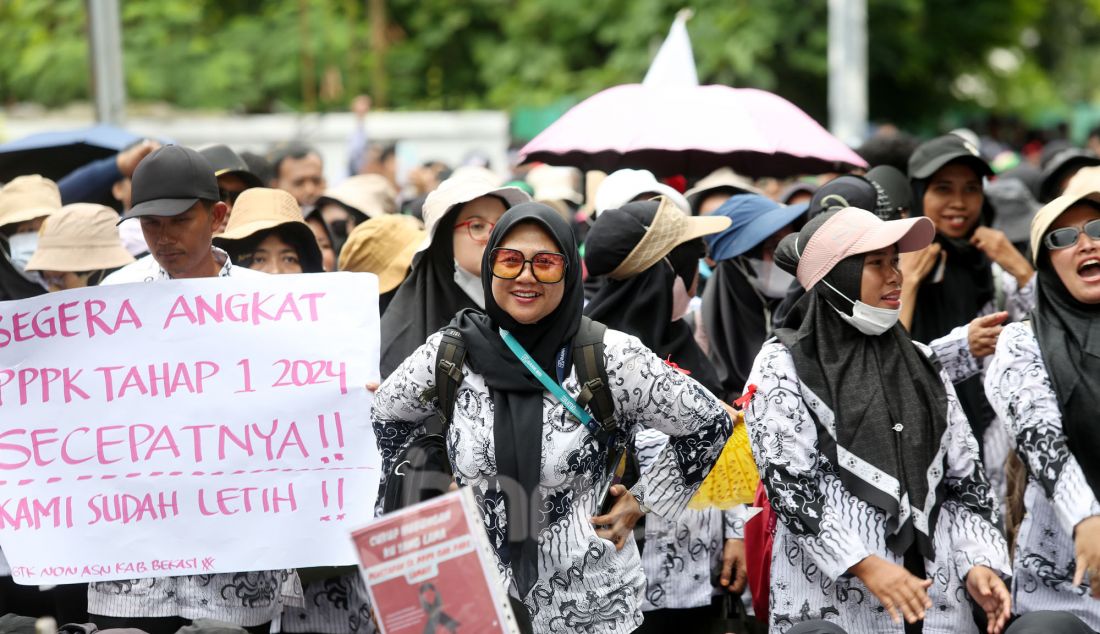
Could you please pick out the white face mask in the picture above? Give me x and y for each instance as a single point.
(471, 285)
(23, 245)
(870, 320)
(681, 299)
(772, 281)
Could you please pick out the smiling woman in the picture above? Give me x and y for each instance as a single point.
(868, 461)
(511, 433)
(1044, 384)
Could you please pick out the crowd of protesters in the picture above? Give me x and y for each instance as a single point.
(915, 348)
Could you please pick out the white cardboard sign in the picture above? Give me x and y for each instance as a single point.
(187, 427)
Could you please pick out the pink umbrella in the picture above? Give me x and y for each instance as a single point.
(691, 131)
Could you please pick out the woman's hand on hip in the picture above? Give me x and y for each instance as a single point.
(616, 525)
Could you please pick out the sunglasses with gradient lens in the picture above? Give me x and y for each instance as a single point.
(547, 267)
(1067, 236)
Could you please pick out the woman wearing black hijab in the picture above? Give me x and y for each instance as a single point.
(649, 252)
(1044, 383)
(646, 292)
(458, 217)
(746, 287)
(508, 430)
(870, 465)
(970, 271)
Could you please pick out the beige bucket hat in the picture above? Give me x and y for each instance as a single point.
(370, 194)
(460, 189)
(262, 208)
(1085, 185)
(384, 246)
(720, 179)
(29, 197)
(80, 237)
(670, 228)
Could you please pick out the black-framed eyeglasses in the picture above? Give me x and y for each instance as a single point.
(546, 266)
(1067, 236)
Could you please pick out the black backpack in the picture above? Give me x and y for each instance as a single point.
(422, 469)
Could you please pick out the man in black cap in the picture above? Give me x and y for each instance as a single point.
(234, 175)
(176, 199)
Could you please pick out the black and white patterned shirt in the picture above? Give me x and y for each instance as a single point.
(809, 578)
(1057, 497)
(584, 583)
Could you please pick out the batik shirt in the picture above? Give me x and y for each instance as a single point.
(245, 598)
(809, 571)
(682, 557)
(584, 584)
(332, 606)
(1057, 497)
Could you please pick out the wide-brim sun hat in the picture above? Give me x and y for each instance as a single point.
(28, 197)
(753, 219)
(722, 179)
(80, 237)
(370, 195)
(262, 209)
(669, 229)
(553, 183)
(384, 246)
(851, 231)
(1084, 186)
(623, 186)
(460, 189)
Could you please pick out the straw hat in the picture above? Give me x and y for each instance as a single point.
(80, 237)
(384, 246)
(260, 209)
(461, 188)
(29, 197)
(669, 229)
(369, 194)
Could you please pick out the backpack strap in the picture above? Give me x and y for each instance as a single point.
(449, 359)
(588, 360)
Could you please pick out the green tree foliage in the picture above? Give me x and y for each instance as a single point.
(262, 56)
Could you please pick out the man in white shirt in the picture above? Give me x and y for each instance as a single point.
(175, 197)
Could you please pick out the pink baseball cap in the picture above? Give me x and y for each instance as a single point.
(852, 231)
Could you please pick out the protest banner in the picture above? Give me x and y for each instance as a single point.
(430, 568)
(187, 427)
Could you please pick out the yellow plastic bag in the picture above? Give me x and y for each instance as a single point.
(734, 478)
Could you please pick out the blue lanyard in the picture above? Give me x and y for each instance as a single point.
(557, 390)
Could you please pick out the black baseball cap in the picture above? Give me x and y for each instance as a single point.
(1058, 166)
(899, 193)
(843, 191)
(226, 161)
(170, 181)
(930, 156)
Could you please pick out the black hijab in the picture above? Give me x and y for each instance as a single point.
(735, 316)
(889, 403)
(426, 301)
(1069, 338)
(966, 288)
(642, 305)
(516, 394)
